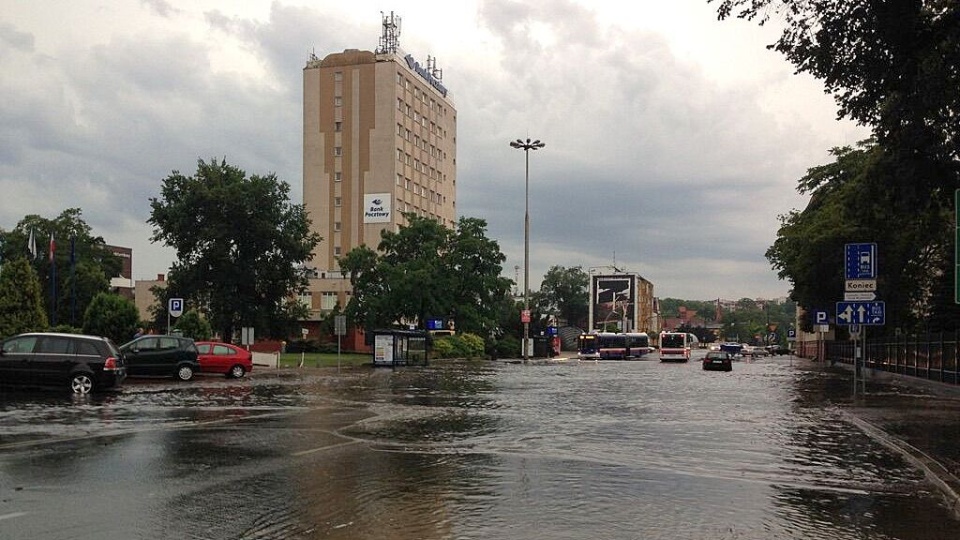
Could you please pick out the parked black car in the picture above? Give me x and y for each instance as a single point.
(79, 362)
(161, 356)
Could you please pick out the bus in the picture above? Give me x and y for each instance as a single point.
(612, 346)
(675, 346)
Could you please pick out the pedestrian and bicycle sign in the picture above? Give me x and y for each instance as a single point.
(865, 313)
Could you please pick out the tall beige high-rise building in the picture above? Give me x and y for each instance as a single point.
(379, 140)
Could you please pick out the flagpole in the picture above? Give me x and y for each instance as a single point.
(73, 281)
(53, 282)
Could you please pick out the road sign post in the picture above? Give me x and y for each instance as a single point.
(174, 309)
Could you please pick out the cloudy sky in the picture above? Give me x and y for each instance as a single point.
(673, 140)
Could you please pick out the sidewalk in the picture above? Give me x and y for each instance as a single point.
(920, 419)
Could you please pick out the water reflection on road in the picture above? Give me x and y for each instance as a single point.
(593, 450)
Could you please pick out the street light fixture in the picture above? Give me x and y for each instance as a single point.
(526, 146)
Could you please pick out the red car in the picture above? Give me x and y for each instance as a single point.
(216, 357)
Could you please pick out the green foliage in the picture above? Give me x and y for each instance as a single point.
(240, 246)
(564, 292)
(76, 283)
(21, 302)
(895, 67)
(458, 346)
(192, 325)
(112, 316)
(425, 270)
(507, 346)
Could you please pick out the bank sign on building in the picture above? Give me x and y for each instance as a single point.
(376, 208)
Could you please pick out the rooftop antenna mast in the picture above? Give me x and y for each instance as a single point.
(390, 39)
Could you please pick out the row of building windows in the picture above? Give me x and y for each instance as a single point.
(422, 191)
(421, 143)
(420, 167)
(420, 95)
(420, 120)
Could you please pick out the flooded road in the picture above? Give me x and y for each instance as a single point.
(594, 450)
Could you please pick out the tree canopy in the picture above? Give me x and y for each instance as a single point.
(79, 267)
(425, 270)
(892, 65)
(240, 245)
(21, 302)
(564, 292)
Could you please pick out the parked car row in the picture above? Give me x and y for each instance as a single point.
(84, 364)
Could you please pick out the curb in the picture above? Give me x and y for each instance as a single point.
(935, 473)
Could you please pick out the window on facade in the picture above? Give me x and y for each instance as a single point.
(306, 300)
(338, 76)
(399, 154)
(336, 251)
(338, 101)
(336, 225)
(399, 179)
(338, 126)
(337, 201)
(337, 151)
(328, 300)
(337, 176)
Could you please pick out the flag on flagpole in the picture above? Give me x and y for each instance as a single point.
(53, 247)
(32, 245)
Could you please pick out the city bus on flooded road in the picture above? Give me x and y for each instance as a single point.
(675, 346)
(612, 345)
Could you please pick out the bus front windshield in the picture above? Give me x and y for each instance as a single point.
(673, 341)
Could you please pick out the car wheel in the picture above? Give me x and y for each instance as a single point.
(185, 373)
(236, 372)
(81, 383)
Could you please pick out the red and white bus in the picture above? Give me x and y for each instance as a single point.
(675, 346)
(612, 346)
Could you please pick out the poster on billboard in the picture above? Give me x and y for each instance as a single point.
(377, 208)
(383, 350)
(614, 302)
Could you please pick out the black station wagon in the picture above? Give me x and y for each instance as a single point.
(79, 362)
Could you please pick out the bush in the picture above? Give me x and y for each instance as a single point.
(505, 347)
(458, 346)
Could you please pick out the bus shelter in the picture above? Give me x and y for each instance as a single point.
(399, 347)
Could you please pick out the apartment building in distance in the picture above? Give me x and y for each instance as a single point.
(379, 140)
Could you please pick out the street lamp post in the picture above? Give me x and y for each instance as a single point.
(526, 146)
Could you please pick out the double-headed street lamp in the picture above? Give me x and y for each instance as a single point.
(526, 146)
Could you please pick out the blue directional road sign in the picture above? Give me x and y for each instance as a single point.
(861, 261)
(866, 313)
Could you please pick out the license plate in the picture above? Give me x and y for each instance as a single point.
(718, 361)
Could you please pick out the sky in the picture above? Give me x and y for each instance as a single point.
(674, 141)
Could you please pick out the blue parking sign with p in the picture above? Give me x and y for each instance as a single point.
(176, 307)
(820, 317)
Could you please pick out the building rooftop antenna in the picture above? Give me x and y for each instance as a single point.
(432, 68)
(390, 38)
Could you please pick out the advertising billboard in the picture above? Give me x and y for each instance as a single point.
(613, 302)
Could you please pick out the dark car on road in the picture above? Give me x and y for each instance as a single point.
(77, 362)
(216, 357)
(161, 356)
(718, 360)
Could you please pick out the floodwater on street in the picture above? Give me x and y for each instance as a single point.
(608, 450)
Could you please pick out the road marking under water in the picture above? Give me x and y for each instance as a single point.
(13, 515)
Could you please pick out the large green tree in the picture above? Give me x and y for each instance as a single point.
(21, 300)
(80, 263)
(240, 245)
(892, 65)
(425, 270)
(565, 293)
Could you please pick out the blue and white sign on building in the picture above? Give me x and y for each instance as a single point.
(866, 313)
(175, 307)
(791, 334)
(861, 261)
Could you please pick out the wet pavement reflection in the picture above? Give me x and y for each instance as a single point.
(470, 450)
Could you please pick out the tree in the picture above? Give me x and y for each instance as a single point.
(21, 303)
(80, 262)
(192, 325)
(112, 316)
(564, 292)
(240, 244)
(853, 201)
(892, 65)
(425, 270)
